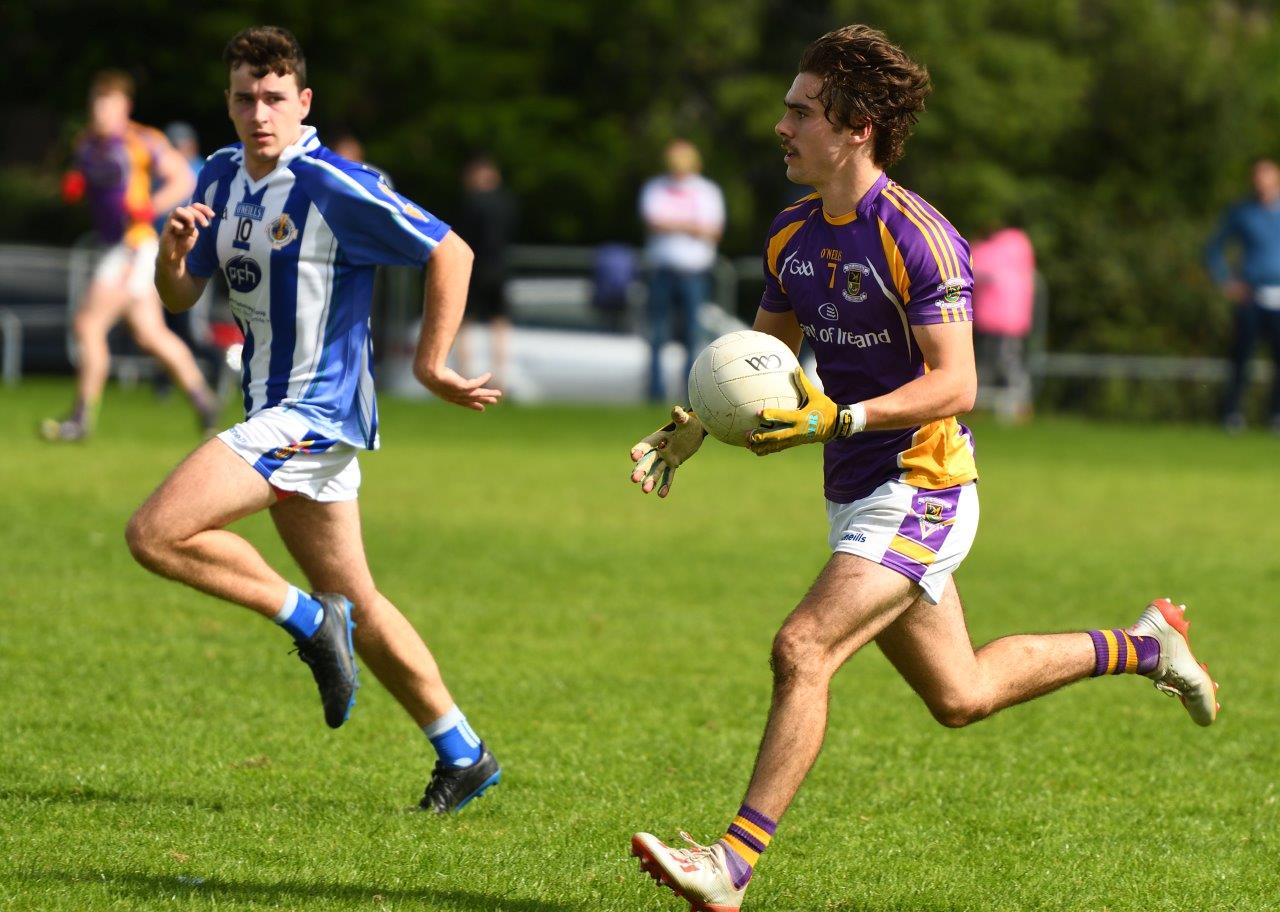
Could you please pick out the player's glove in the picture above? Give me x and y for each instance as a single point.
(659, 455)
(817, 420)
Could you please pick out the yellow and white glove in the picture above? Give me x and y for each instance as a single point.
(817, 420)
(659, 455)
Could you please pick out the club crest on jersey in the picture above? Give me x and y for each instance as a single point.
(282, 232)
(951, 290)
(852, 291)
(931, 520)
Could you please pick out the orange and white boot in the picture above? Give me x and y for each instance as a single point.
(698, 874)
(1178, 673)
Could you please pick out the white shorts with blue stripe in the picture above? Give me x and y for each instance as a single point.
(294, 458)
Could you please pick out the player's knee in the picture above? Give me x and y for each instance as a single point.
(960, 709)
(148, 545)
(797, 654)
(85, 326)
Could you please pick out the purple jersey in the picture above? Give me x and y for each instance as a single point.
(118, 173)
(857, 284)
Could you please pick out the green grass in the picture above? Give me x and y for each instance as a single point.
(161, 750)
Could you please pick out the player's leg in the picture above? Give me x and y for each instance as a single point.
(929, 645)
(852, 600)
(661, 285)
(145, 316)
(1244, 337)
(179, 533)
(326, 541)
(1272, 320)
(100, 308)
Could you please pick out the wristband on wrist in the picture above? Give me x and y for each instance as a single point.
(851, 420)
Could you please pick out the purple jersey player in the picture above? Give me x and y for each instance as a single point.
(880, 284)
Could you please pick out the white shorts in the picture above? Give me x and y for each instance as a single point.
(132, 267)
(293, 458)
(922, 534)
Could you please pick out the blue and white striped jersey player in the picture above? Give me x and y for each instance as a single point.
(298, 232)
(880, 284)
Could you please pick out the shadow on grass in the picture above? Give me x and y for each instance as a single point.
(292, 894)
(83, 794)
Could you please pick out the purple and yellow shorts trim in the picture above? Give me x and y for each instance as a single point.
(922, 534)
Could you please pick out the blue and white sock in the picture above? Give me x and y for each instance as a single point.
(453, 739)
(301, 614)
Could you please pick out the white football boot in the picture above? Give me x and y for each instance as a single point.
(1178, 673)
(698, 873)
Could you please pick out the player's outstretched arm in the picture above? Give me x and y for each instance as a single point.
(657, 456)
(178, 288)
(448, 275)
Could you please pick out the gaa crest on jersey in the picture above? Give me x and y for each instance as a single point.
(282, 231)
(852, 291)
(951, 290)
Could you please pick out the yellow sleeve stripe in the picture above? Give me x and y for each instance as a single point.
(897, 267)
(935, 237)
(777, 242)
(940, 233)
(800, 202)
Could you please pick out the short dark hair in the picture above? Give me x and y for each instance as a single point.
(107, 81)
(866, 79)
(267, 49)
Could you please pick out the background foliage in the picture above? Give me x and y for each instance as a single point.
(1113, 130)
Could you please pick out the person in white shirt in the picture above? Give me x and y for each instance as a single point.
(683, 213)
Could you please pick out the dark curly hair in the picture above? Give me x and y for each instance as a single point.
(267, 49)
(867, 79)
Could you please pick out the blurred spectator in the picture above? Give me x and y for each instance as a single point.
(487, 221)
(1253, 224)
(1004, 289)
(612, 273)
(183, 138)
(191, 326)
(352, 149)
(683, 213)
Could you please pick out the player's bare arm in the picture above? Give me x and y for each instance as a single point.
(178, 289)
(948, 388)
(176, 180)
(448, 275)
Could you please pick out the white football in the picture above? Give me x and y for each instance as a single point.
(736, 376)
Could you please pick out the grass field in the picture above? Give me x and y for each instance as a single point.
(162, 750)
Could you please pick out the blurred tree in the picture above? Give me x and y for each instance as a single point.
(1113, 130)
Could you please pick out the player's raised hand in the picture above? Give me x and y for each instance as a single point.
(657, 456)
(814, 421)
(181, 230)
(451, 386)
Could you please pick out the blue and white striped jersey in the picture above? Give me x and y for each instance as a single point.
(298, 249)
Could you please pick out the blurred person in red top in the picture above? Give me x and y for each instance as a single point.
(126, 173)
(1004, 291)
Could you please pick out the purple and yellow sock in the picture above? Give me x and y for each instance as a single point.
(1118, 652)
(748, 836)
